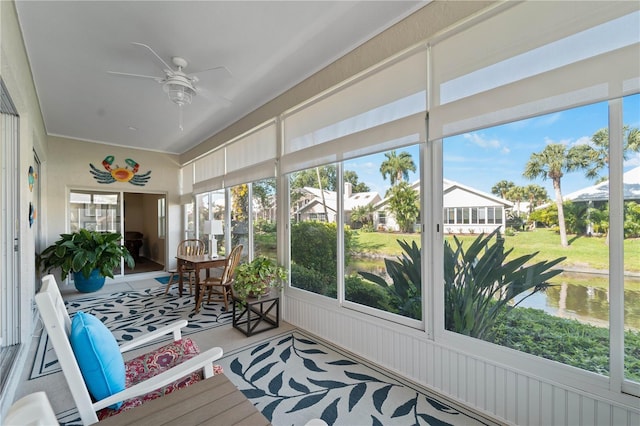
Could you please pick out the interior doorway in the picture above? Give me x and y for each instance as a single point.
(144, 231)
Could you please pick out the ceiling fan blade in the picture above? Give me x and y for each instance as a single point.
(128, 74)
(221, 71)
(212, 97)
(164, 64)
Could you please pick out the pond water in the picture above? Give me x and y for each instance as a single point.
(584, 297)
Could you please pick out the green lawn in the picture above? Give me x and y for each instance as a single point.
(582, 253)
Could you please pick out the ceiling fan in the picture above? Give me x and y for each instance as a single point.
(179, 86)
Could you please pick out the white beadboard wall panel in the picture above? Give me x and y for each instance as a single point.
(602, 413)
(573, 409)
(480, 382)
(501, 394)
(560, 406)
(533, 406)
(589, 411)
(546, 404)
(522, 388)
(512, 397)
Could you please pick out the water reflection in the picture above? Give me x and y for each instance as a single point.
(584, 297)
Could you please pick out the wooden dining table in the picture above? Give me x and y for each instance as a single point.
(198, 263)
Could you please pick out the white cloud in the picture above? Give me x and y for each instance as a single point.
(481, 141)
(633, 160)
(584, 140)
(549, 141)
(548, 120)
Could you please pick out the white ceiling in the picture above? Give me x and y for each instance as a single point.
(269, 46)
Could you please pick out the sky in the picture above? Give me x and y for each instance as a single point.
(482, 158)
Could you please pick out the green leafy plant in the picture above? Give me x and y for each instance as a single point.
(479, 283)
(255, 278)
(406, 276)
(84, 251)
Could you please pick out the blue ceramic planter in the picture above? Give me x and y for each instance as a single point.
(88, 285)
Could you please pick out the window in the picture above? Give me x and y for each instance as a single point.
(189, 221)
(569, 321)
(162, 218)
(551, 95)
(211, 206)
(465, 216)
(94, 211)
(482, 216)
(382, 217)
(386, 182)
(631, 233)
(240, 197)
(314, 236)
(263, 212)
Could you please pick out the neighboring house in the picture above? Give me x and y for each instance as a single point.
(466, 210)
(598, 194)
(322, 206)
(470, 211)
(600, 191)
(353, 200)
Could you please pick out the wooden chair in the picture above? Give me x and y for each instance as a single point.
(190, 247)
(221, 287)
(148, 376)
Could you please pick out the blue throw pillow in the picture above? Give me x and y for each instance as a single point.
(98, 356)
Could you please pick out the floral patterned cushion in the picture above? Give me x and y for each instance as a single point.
(151, 364)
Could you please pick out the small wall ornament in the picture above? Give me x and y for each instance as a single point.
(32, 214)
(32, 176)
(119, 174)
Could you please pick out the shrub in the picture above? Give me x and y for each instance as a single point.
(263, 225)
(364, 293)
(568, 341)
(314, 245)
(367, 228)
(310, 280)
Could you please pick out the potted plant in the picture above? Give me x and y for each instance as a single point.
(258, 277)
(90, 255)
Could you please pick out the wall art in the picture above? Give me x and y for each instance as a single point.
(120, 174)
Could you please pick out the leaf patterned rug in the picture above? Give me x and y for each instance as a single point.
(131, 314)
(293, 378)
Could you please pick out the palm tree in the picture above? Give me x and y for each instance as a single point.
(397, 167)
(501, 188)
(600, 141)
(516, 194)
(536, 195)
(551, 163)
(363, 214)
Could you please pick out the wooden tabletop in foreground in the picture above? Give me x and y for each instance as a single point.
(214, 401)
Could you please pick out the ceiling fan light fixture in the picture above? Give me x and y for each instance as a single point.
(180, 92)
